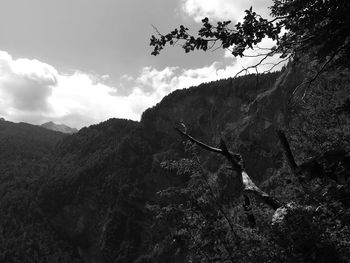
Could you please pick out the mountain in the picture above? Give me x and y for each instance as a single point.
(25, 151)
(97, 189)
(95, 196)
(25, 141)
(25, 157)
(59, 127)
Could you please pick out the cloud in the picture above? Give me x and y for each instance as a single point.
(25, 84)
(151, 85)
(159, 83)
(152, 81)
(35, 92)
(223, 9)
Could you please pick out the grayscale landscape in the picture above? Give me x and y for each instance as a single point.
(174, 131)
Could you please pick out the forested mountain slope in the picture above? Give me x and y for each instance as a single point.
(25, 155)
(23, 147)
(104, 174)
(93, 201)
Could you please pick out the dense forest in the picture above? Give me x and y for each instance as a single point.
(122, 191)
(256, 170)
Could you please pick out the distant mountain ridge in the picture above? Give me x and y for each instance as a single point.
(24, 148)
(59, 127)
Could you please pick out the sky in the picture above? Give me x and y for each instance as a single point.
(80, 62)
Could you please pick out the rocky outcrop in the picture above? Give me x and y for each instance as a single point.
(255, 136)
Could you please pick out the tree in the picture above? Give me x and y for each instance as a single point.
(318, 30)
(193, 223)
(243, 183)
(199, 222)
(314, 226)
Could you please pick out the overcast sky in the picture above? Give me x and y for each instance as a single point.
(80, 62)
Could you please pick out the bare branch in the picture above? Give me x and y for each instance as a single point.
(250, 187)
(317, 74)
(256, 65)
(248, 211)
(156, 29)
(287, 151)
(255, 56)
(326, 63)
(246, 183)
(201, 144)
(276, 64)
(263, 48)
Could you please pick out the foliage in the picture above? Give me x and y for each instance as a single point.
(309, 234)
(88, 192)
(193, 224)
(316, 29)
(315, 226)
(312, 228)
(317, 122)
(25, 234)
(122, 191)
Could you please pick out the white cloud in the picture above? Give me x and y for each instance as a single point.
(35, 92)
(223, 9)
(25, 84)
(152, 85)
(79, 99)
(155, 84)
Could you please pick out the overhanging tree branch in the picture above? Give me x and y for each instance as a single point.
(302, 30)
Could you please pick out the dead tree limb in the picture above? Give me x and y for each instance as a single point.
(326, 165)
(236, 161)
(287, 151)
(248, 211)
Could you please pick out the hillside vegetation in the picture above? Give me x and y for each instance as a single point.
(124, 191)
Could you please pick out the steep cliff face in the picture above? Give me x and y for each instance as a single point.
(255, 136)
(246, 112)
(208, 109)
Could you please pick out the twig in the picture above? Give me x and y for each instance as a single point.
(256, 65)
(318, 73)
(276, 64)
